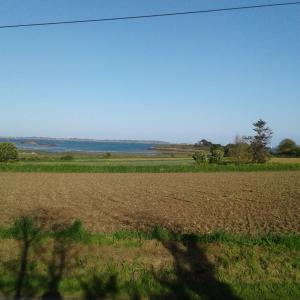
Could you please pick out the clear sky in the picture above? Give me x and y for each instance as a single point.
(178, 79)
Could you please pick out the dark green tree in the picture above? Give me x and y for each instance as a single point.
(287, 147)
(260, 141)
(8, 151)
(204, 143)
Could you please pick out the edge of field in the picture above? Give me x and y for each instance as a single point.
(80, 168)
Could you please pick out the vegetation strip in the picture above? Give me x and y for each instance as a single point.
(78, 234)
(73, 168)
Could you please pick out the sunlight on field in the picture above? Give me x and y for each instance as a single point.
(237, 201)
(285, 160)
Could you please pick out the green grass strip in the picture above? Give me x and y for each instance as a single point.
(76, 233)
(73, 168)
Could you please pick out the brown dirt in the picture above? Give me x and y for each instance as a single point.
(202, 202)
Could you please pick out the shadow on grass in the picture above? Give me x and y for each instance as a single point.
(192, 276)
(22, 277)
(96, 287)
(22, 269)
(63, 259)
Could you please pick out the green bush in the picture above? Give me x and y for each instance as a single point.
(288, 147)
(8, 151)
(201, 157)
(217, 156)
(239, 152)
(107, 155)
(67, 157)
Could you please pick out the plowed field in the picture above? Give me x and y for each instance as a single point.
(190, 202)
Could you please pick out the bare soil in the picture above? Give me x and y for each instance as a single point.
(190, 202)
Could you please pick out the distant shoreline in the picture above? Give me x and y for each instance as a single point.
(60, 145)
(84, 140)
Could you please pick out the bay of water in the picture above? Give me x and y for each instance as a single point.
(52, 145)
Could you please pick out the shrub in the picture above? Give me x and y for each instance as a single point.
(201, 157)
(67, 157)
(217, 156)
(287, 147)
(239, 151)
(8, 151)
(107, 155)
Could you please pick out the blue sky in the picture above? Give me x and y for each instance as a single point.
(177, 79)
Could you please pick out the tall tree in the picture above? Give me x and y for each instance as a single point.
(260, 141)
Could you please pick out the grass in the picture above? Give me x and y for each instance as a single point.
(133, 167)
(294, 160)
(119, 163)
(157, 264)
(78, 234)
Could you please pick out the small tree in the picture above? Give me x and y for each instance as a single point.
(287, 147)
(217, 156)
(260, 141)
(240, 150)
(8, 151)
(201, 157)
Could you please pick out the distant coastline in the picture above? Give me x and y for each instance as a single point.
(63, 145)
(34, 138)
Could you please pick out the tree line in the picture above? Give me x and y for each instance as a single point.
(246, 149)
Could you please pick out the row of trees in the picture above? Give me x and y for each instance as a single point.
(253, 149)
